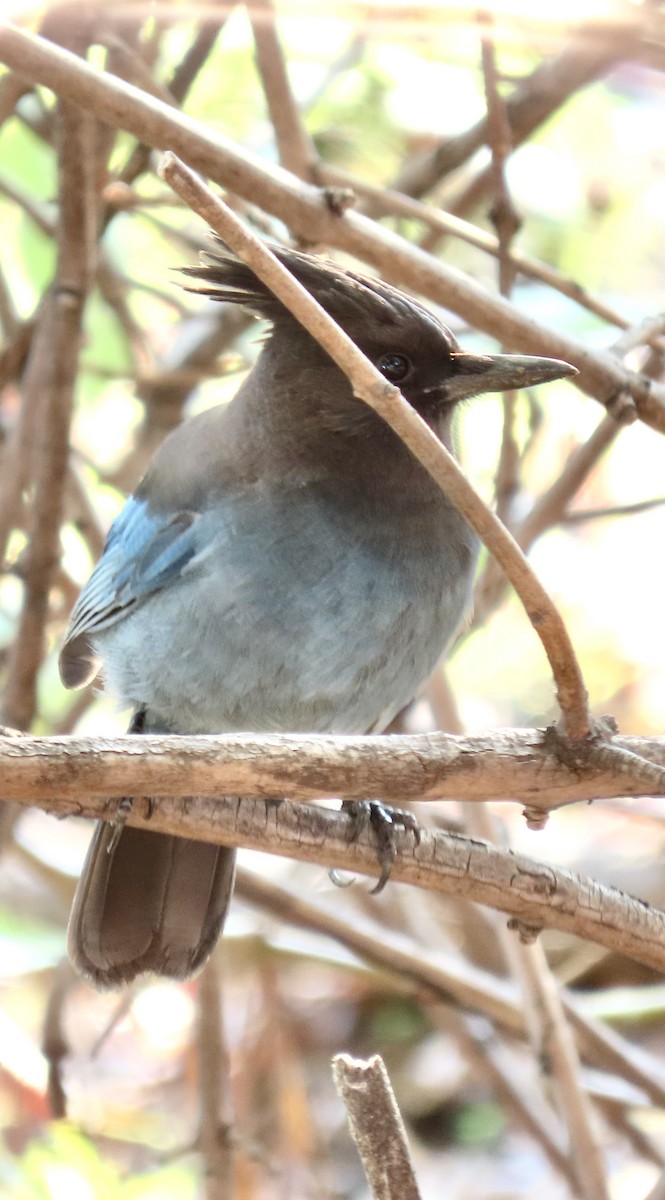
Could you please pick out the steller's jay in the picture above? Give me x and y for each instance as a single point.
(285, 564)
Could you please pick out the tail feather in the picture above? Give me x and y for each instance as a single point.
(151, 902)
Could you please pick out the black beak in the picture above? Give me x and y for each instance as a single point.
(477, 373)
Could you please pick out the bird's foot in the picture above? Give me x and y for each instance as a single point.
(385, 822)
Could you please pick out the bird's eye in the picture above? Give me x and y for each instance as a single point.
(395, 367)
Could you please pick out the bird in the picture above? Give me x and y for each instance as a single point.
(285, 565)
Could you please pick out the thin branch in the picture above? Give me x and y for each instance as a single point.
(183, 77)
(296, 151)
(443, 976)
(444, 979)
(558, 1055)
(548, 510)
(555, 81)
(13, 86)
(16, 456)
(376, 1126)
(50, 376)
(305, 211)
(451, 979)
(580, 515)
(551, 507)
(551, 1039)
(492, 1060)
(503, 214)
(114, 292)
(9, 320)
(506, 222)
(388, 202)
(193, 353)
(532, 102)
(82, 513)
(55, 1043)
(609, 1051)
(384, 398)
(213, 1139)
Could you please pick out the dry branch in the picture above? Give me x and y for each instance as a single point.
(376, 1126)
(507, 764)
(305, 210)
(451, 979)
(49, 388)
(536, 894)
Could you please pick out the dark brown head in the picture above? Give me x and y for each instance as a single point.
(403, 339)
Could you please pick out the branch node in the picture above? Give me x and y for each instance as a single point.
(621, 406)
(536, 818)
(339, 199)
(528, 934)
(598, 751)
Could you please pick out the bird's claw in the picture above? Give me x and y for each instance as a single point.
(384, 821)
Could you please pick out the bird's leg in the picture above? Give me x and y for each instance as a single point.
(385, 822)
(136, 725)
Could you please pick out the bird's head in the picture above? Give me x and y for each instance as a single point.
(402, 338)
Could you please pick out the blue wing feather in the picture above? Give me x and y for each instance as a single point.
(143, 553)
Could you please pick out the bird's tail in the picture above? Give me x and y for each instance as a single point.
(151, 902)
(148, 902)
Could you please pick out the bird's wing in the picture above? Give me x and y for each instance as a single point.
(144, 552)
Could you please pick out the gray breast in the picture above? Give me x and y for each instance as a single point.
(297, 617)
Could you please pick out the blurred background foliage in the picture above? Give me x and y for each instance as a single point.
(378, 86)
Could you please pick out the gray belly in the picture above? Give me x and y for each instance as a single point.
(324, 632)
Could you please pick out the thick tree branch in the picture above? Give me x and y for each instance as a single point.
(536, 894)
(507, 764)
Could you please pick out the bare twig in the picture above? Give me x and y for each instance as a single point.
(181, 81)
(54, 1040)
(557, 1054)
(388, 202)
(296, 152)
(552, 506)
(13, 86)
(376, 1126)
(551, 1038)
(548, 87)
(532, 102)
(9, 321)
(503, 214)
(50, 376)
(580, 515)
(213, 1140)
(491, 1059)
(444, 978)
(506, 223)
(608, 1050)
